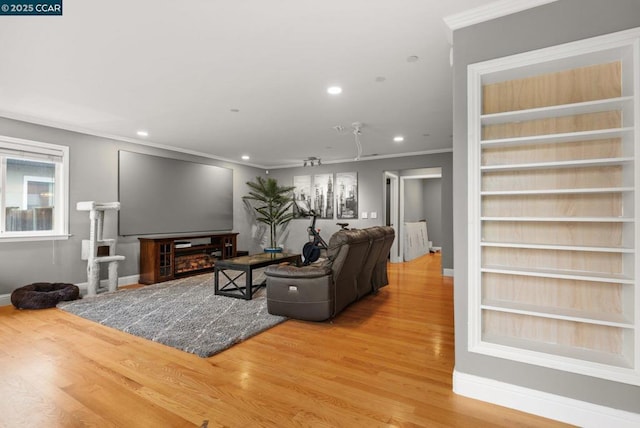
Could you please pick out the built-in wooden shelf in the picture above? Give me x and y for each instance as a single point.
(558, 247)
(624, 104)
(584, 163)
(553, 207)
(560, 274)
(538, 350)
(600, 134)
(564, 219)
(567, 314)
(558, 191)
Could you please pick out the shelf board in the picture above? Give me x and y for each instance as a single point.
(581, 354)
(609, 104)
(557, 191)
(558, 247)
(563, 219)
(560, 274)
(581, 163)
(600, 134)
(565, 314)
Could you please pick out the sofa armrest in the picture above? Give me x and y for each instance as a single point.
(288, 271)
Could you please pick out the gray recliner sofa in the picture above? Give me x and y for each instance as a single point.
(356, 266)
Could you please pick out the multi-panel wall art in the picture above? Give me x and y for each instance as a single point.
(302, 195)
(326, 195)
(346, 191)
(322, 196)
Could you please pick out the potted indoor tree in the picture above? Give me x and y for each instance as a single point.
(272, 202)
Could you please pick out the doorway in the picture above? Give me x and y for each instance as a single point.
(402, 208)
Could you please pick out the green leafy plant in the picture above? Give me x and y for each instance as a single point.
(272, 202)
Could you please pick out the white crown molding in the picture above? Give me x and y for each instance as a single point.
(371, 158)
(80, 130)
(488, 12)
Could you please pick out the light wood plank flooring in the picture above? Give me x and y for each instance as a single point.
(384, 362)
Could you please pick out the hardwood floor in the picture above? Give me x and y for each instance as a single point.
(386, 361)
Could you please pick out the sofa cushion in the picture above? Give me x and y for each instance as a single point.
(376, 242)
(379, 277)
(347, 252)
(303, 298)
(289, 271)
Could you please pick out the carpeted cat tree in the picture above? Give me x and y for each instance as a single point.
(92, 248)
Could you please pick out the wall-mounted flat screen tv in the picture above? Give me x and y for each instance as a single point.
(161, 195)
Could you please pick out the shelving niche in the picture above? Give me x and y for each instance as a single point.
(553, 207)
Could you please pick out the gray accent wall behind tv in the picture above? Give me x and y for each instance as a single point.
(163, 195)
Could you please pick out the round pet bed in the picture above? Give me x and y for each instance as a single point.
(41, 295)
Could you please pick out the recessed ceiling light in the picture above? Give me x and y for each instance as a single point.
(245, 157)
(334, 90)
(398, 139)
(142, 133)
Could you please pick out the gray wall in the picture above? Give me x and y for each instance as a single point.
(556, 23)
(93, 177)
(422, 201)
(414, 202)
(371, 183)
(432, 188)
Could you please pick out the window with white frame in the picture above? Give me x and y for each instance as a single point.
(34, 189)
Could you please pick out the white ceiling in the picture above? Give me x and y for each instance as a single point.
(178, 68)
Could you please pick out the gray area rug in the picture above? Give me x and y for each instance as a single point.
(184, 314)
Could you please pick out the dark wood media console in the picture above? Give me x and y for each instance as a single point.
(166, 258)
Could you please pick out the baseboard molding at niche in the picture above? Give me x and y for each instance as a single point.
(5, 299)
(447, 272)
(563, 409)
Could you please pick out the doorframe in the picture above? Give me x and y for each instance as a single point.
(394, 256)
(434, 172)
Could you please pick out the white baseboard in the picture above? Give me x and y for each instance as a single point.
(104, 283)
(5, 299)
(447, 272)
(543, 404)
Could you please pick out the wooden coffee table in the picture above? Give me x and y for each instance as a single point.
(246, 265)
